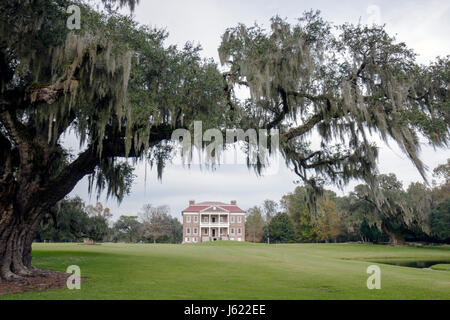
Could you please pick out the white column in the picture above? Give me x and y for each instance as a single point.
(228, 226)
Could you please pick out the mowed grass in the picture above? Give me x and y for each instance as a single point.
(231, 270)
(445, 267)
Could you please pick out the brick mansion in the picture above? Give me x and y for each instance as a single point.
(211, 221)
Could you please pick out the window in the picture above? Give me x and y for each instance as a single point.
(232, 219)
(195, 219)
(206, 231)
(232, 230)
(221, 231)
(239, 231)
(221, 219)
(239, 219)
(194, 239)
(195, 230)
(188, 231)
(187, 239)
(205, 219)
(188, 219)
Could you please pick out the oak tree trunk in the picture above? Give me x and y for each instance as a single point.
(395, 238)
(30, 186)
(16, 237)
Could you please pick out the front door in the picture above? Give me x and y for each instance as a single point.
(213, 232)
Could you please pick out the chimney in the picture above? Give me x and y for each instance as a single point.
(191, 202)
(233, 202)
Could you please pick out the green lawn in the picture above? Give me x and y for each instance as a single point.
(230, 270)
(444, 267)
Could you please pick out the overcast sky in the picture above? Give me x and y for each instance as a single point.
(422, 25)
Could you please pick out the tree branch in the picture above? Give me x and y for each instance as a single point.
(59, 186)
(15, 129)
(49, 94)
(300, 130)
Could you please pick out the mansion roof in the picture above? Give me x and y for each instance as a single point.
(213, 206)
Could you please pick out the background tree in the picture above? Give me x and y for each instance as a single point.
(327, 219)
(269, 209)
(128, 228)
(356, 223)
(66, 222)
(440, 215)
(443, 172)
(296, 205)
(254, 225)
(441, 190)
(440, 221)
(70, 220)
(281, 229)
(176, 231)
(97, 228)
(398, 214)
(419, 213)
(99, 210)
(156, 222)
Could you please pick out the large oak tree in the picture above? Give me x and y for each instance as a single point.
(112, 84)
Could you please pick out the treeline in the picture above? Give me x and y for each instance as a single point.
(153, 225)
(394, 214)
(72, 221)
